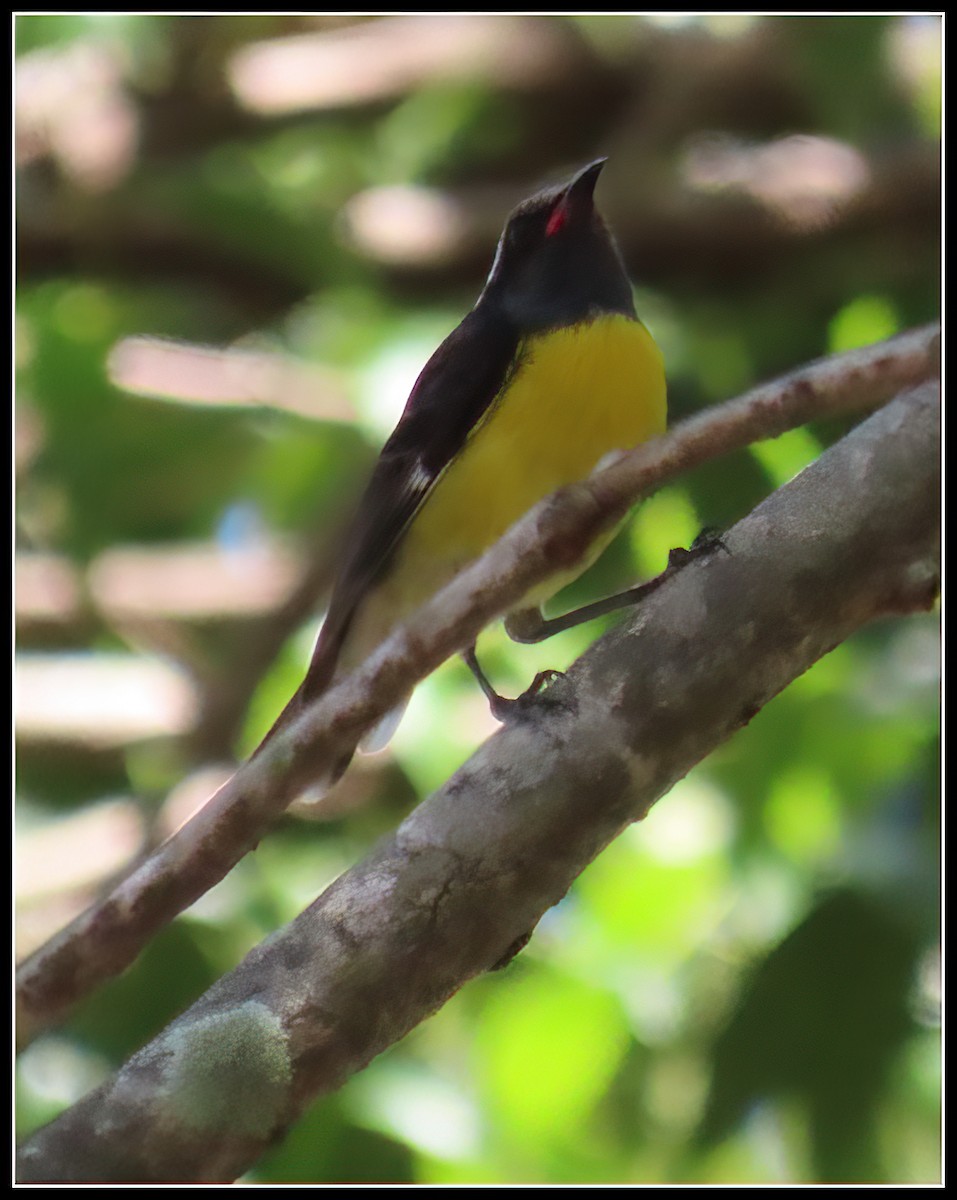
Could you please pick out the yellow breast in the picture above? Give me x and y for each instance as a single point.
(576, 395)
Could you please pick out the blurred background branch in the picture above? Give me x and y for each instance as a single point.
(233, 232)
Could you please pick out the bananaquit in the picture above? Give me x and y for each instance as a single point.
(549, 372)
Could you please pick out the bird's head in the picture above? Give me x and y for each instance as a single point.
(556, 262)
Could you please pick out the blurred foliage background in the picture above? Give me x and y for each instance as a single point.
(238, 240)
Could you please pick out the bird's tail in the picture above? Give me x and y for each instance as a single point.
(288, 714)
(321, 784)
(318, 679)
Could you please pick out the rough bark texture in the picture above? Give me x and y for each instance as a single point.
(473, 868)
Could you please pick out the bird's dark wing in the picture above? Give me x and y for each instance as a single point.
(454, 390)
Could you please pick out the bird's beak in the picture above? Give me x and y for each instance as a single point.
(578, 202)
(582, 187)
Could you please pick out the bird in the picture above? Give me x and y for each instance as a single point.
(549, 373)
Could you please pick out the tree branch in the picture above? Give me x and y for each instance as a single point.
(474, 867)
(553, 536)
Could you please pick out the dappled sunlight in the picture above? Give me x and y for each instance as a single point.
(403, 224)
(204, 375)
(189, 583)
(71, 102)
(100, 700)
(53, 881)
(372, 61)
(803, 180)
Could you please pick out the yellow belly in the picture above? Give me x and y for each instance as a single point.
(577, 395)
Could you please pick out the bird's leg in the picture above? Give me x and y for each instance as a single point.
(528, 625)
(502, 708)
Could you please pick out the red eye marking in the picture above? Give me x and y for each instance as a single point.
(557, 220)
